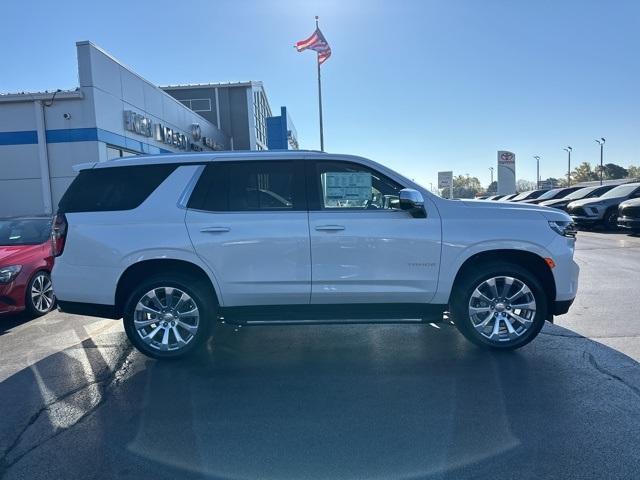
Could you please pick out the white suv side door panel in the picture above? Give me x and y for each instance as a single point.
(259, 258)
(373, 256)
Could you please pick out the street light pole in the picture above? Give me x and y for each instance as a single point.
(537, 157)
(601, 143)
(568, 150)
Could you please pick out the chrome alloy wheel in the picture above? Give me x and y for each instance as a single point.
(166, 318)
(502, 309)
(42, 296)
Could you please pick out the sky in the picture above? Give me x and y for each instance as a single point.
(420, 86)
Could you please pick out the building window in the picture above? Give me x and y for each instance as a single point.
(261, 111)
(197, 104)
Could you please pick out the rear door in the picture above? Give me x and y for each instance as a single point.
(248, 221)
(363, 248)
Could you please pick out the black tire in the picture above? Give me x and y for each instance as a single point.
(466, 286)
(35, 302)
(199, 293)
(610, 219)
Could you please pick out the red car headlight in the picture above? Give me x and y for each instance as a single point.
(8, 274)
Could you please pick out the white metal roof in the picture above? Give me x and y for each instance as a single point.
(45, 96)
(185, 86)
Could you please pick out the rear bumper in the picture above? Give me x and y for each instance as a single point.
(560, 307)
(88, 309)
(631, 223)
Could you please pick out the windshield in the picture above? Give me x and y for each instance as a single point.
(583, 192)
(550, 194)
(25, 231)
(621, 191)
(523, 195)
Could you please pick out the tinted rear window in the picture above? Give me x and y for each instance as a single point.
(109, 189)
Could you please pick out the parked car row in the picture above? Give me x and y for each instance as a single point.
(609, 206)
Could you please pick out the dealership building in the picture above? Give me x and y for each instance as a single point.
(113, 113)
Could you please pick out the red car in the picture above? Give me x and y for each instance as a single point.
(26, 259)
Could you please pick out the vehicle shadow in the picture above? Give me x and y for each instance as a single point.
(602, 230)
(344, 401)
(9, 322)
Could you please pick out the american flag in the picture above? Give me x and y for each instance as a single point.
(318, 43)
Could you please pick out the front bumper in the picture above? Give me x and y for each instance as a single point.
(11, 297)
(585, 221)
(632, 223)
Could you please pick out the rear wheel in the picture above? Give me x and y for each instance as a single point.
(169, 317)
(40, 299)
(499, 305)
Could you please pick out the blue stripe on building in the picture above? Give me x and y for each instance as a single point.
(67, 135)
(27, 137)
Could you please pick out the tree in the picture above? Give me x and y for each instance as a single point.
(634, 171)
(584, 173)
(523, 185)
(611, 171)
(464, 187)
(552, 181)
(492, 189)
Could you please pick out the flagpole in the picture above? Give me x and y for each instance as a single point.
(320, 98)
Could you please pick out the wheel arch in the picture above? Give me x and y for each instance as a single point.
(531, 261)
(145, 268)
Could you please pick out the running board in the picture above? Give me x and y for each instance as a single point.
(336, 322)
(334, 314)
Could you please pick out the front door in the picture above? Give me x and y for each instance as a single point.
(363, 248)
(248, 221)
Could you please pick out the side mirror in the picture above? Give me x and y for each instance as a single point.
(412, 201)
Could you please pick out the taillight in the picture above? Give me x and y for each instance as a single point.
(59, 234)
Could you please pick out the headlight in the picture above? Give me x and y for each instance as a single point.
(7, 274)
(566, 229)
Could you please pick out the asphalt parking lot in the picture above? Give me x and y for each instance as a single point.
(328, 402)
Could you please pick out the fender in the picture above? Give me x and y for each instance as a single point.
(454, 256)
(171, 254)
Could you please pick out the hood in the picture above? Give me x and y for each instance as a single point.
(15, 254)
(548, 213)
(606, 202)
(556, 201)
(634, 202)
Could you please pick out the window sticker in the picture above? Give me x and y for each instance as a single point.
(347, 186)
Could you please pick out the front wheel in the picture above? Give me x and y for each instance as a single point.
(501, 306)
(39, 298)
(169, 317)
(610, 220)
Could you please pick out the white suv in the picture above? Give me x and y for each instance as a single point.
(172, 243)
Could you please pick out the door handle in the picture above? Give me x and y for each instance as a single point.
(329, 228)
(215, 229)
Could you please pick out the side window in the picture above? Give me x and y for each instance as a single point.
(261, 186)
(344, 185)
(248, 187)
(113, 188)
